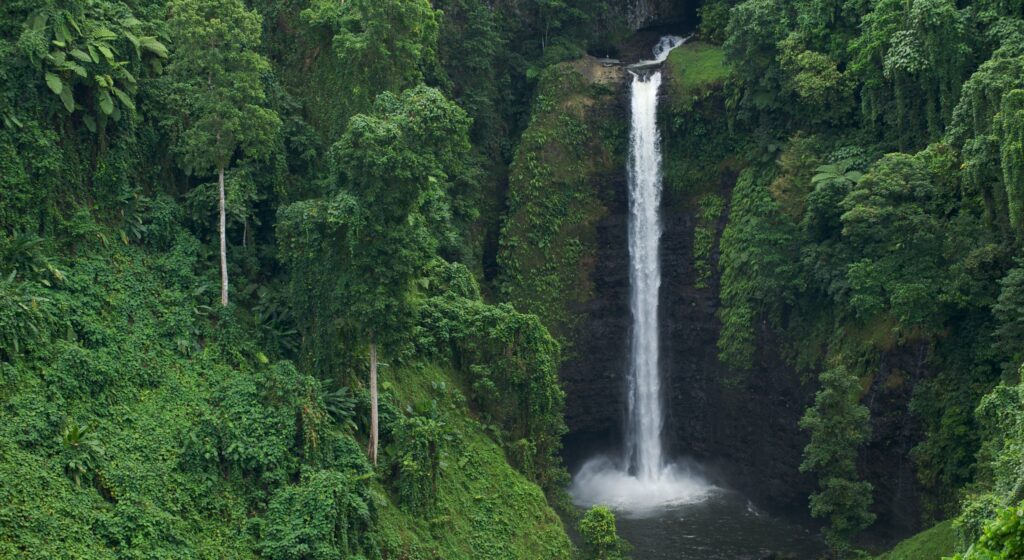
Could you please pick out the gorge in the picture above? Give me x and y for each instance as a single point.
(511, 279)
(655, 495)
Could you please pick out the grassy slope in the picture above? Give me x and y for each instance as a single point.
(485, 508)
(128, 355)
(693, 69)
(932, 544)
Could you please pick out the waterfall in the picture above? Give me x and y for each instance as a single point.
(643, 435)
(643, 479)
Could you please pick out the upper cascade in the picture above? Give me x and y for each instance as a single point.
(661, 51)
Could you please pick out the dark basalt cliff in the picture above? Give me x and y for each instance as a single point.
(594, 376)
(741, 425)
(647, 13)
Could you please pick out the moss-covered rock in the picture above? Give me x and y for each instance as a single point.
(549, 239)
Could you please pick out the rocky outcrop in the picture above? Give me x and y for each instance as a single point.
(649, 13)
(886, 460)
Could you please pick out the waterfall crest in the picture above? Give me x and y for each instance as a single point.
(642, 479)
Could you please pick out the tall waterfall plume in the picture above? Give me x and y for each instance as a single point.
(643, 435)
(643, 479)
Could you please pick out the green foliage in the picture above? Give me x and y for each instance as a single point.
(510, 363)
(1009, 312)
(758, 267)
(710, 208)
(714, 18)
(325, 516)
(84, 452)
(1002, 539)
(354, 256)
(893, 223)
(219, 454)
(382, 46)
(25, 315)
(837, 250)
(549, 238)
(911, 58)
(755, 29)
(838, 425)
(94, 46)
(983, 132)
(934, 543)
(216, 103)
(816, 80)
(421, 443)
(600, 539)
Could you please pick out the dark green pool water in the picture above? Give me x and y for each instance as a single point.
(722, 527)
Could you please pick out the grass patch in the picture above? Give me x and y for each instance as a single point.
(694, 68)
(932, 544)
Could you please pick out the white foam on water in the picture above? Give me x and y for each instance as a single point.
(602, 482)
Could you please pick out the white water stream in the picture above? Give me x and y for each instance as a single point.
(643, 480)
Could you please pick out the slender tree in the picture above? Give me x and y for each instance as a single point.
(355, 255)
(838, 425)
(216, 94)
(395, 167)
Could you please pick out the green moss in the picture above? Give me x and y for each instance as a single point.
(549, 239)
(932, 544)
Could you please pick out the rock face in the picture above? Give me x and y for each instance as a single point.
(648, 13)
(594, 377)
(741, 425)
(886, 460)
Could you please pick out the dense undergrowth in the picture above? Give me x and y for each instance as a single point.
(362, 147)
(141, 424)
(873, 222)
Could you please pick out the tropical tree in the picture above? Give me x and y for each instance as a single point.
(217, 98)
(838, 425)
(382, 45)
(356, 254)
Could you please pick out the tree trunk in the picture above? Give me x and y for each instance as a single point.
(373, 403)
(223, 243)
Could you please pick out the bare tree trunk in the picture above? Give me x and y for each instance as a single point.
(223, 242)
(373, 402)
